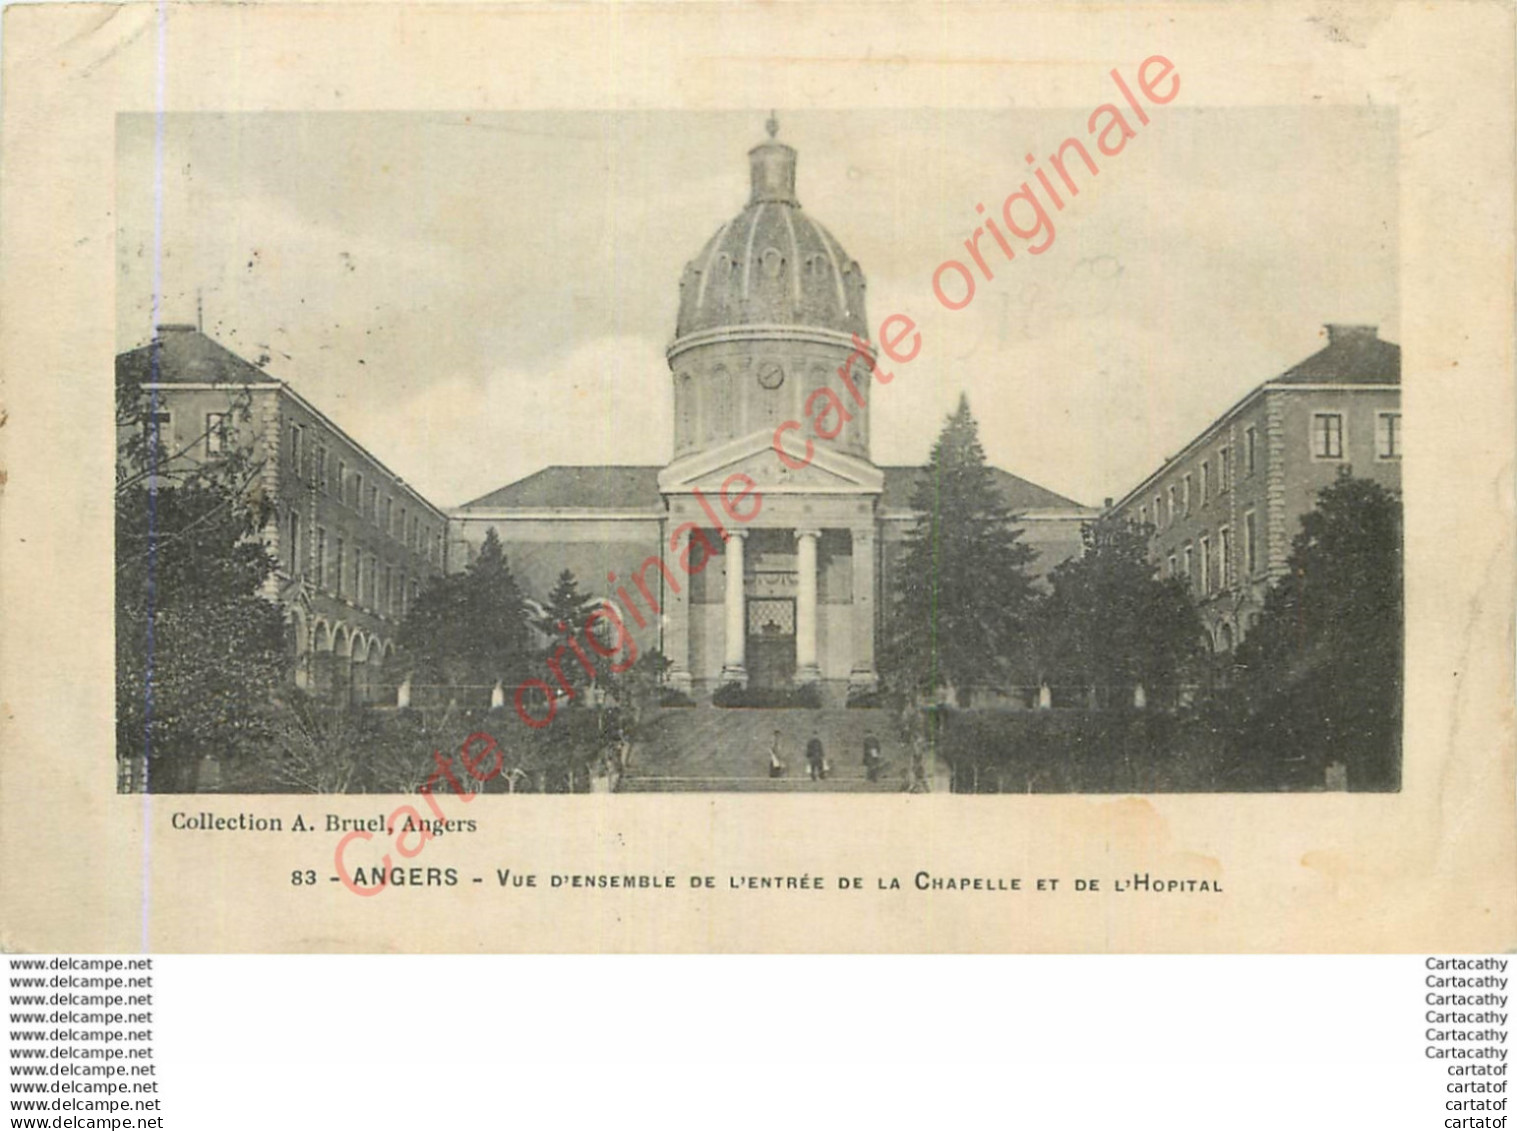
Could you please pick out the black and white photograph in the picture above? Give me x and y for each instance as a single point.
(765, 479)
(783, 450)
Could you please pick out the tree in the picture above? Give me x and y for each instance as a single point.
(1319, 677)
(960, 613)
(469, 629)
(200, 650)
(565, 614)
(1110, 623)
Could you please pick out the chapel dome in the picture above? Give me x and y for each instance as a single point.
(772, 264)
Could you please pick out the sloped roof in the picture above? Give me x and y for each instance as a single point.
(1020, 495)
(611, 487)
(635, 487)
(184, 354)
(1354, 355)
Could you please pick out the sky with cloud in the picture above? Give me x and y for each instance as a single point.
(476, 296)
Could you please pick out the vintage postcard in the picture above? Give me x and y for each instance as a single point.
(766, 478)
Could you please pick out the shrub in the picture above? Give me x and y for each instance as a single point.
(1103, 751)
(808, 696)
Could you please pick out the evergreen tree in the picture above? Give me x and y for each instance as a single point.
(960, 612)
(1110, 623)
(1319, 678)
(469, 630)
(200, 651)
(566, 610)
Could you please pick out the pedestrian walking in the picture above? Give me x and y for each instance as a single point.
(816, 759)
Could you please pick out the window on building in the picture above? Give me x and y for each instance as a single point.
(1158, 511)
(217, 425)
(1172, 566)
(321, 557)
(296, 434)
(1173, 490)
(357, 576)
(1205, 481)
(339, 566)
(405, 604)
(1185, 492)
(1327, 435)
(1388, 435)
(1185, 562)
(1224, 557)
(1143, 515)
(1250, 546)
(357, 501)
(321, 469)
(373, 507)
(1224, 469)
(389, 597)
(1206, 566)
(342, 481)
(374, 594)
(1250, 451)
(390, 516)
(294, 560)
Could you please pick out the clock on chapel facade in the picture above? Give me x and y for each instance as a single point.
(769, 311)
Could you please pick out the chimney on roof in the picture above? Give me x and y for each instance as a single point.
(1347, 332)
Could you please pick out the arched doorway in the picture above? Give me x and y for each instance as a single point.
(1224, 637)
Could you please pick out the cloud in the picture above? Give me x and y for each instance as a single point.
(474, 297)
(605, 401)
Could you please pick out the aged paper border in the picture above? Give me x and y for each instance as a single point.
(1432, 867)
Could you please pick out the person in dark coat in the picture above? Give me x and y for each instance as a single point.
(816, 759)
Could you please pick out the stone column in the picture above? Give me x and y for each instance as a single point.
(735, 658)
(863, 677)
(676, 626)
(806, 668)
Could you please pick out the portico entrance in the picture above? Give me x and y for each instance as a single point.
(771, 642)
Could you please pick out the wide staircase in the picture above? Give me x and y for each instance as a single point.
(726, 749)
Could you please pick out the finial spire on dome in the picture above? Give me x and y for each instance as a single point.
(772, 164)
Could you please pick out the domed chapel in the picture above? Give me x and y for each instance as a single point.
(768, 312)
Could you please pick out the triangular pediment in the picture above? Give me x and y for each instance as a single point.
(826, 472)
